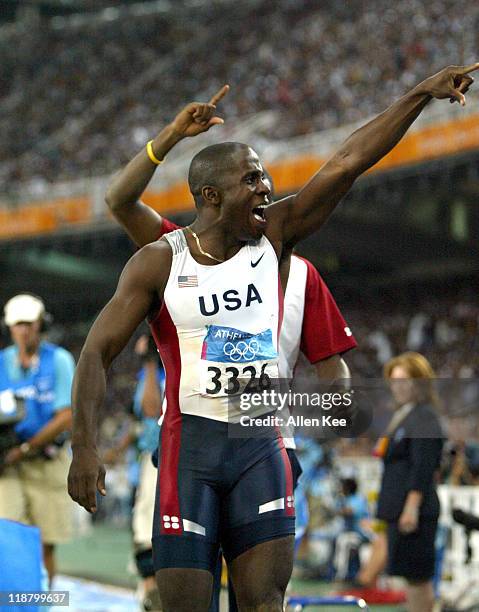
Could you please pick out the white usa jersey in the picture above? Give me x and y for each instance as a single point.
(217, 330)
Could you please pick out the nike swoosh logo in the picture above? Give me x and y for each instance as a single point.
(253, 265)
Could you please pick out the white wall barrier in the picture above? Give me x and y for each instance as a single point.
(455, 570)
(455, 567)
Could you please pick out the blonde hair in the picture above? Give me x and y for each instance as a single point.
(417, 366)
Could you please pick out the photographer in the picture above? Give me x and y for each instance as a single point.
(34, 463)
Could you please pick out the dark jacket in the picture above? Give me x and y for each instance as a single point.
(411, 460)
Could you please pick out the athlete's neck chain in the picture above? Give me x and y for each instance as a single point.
(201, 250)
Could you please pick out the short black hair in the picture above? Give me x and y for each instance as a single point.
(208, 167)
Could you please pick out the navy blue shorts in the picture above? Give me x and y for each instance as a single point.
(216, 491)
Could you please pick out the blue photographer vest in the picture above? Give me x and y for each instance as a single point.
(37, 388)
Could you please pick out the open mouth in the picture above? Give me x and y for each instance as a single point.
(258, 213)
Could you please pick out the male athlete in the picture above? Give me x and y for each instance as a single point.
(203, 315)
(312, 323)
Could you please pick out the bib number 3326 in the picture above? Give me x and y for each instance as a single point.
(230, 380)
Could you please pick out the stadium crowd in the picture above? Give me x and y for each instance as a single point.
(444, 327)
(80, 99)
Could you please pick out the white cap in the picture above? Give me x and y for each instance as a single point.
(23, 308)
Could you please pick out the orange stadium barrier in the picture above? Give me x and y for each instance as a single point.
(175, 198)
(434, 141)
(426, 143)
(44, 217)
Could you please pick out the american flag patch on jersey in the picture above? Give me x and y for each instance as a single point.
(187, 281)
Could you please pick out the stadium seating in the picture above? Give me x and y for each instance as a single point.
(79, 99)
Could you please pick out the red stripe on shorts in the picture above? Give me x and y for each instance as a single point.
(288, 473)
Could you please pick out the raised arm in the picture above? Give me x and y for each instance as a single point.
(138, 291)
(305, 212)
(141, 222)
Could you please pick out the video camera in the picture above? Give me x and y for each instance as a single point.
(471, 523)
(12, 411)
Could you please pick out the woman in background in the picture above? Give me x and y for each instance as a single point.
(411, 452)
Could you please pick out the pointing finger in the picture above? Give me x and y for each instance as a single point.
(471, 68)
(221, 94)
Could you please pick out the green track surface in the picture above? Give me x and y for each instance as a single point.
(105, 554)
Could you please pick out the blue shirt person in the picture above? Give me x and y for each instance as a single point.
(34, 470)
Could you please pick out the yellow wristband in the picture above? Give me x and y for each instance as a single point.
(151, 155)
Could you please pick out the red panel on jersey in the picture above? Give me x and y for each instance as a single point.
(167, 226)
(325, 332)
(168, 346)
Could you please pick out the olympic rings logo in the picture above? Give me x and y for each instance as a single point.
(242, 351)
